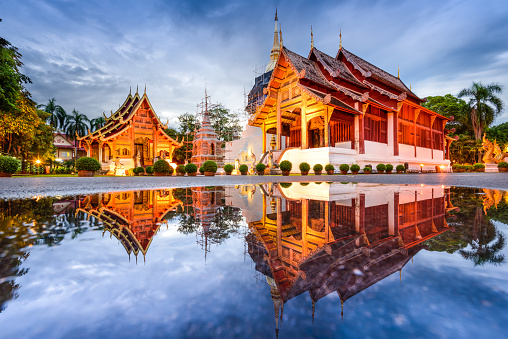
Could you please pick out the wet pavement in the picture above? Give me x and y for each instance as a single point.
(19, 187)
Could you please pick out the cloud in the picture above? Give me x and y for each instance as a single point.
(88, 54)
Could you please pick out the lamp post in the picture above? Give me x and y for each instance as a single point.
(38, 162)
(421, 168)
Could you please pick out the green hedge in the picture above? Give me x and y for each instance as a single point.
(228, 168)
(244, 168)
(162, 166)
(502, 164)
(286, 165)
(304, 167)
(88, 164)
(191, 168)
(478, 166)
(210, 166)
(8, 164)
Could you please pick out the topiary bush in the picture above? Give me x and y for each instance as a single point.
(139, 170)
(149, 170)
(367, 169)
(180, 169)
(400, 168)
(210, 166)
(389, 167)
(229, 168)
(502, 164)
(380, 167)
(88, 164)
(162, 166)
(244, 168)
(304, 167)
(201, 170)
(478, 166)
(8, 165)
(355, 168)
(260, 167)
(344, 167)
(317, 168)
(329, 167)
(286, 165)
(191, 168)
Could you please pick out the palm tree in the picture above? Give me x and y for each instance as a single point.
(484, 105)
(76, 125)
(57, 113)
(97, 123)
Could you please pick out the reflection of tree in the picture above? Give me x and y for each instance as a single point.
(476, 237)
(24, 223)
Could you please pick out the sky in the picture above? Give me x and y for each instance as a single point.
(88, 54)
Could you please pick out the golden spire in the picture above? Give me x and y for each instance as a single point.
(398, 72)
(145, 87)
(340, 37)
(274, 54)
(410, 87)
(311, 38)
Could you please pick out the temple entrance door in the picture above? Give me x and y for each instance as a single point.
(138, 151)
(316, 132)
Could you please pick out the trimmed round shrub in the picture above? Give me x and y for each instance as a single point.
(329, 167)
(478, 166)
(344, 167)
(389, 167)
(88, 164)
(260, 167)
(8, 164)
(180, 169)
(286, 165)
(201, 170)
(502, 164)
(285, 184)
(400, 168)
(304, 167)
(191, 168)
(367, 169)
(380, 167)
(317, 167)
(244, 168)
(162, 166)
(229, 168)
(139, 170)
(149, 170)
(210, 166)
(355, 168)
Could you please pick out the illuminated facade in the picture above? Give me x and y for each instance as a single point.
(131, 137)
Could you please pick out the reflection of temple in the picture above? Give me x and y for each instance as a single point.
(133, 217)
(338, 238)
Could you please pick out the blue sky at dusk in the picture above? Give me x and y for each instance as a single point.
(87, 54)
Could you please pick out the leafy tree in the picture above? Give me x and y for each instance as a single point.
(76, 124)
(499, 133)
(484, 105)
(97, 123)
(450, 106)
(226, 124)
(57, 115)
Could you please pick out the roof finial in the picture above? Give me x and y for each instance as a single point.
(145, 87)
(410, 90)
(280, 33)
(311, 38)
(398, 72)
(137, 88)
(276, 19)
(340, 37)
(130, 90)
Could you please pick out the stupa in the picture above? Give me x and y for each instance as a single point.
(206, 144)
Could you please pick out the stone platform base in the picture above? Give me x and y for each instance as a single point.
(491, 168)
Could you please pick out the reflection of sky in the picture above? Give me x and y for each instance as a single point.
(86, 287)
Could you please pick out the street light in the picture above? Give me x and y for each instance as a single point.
(421, 167)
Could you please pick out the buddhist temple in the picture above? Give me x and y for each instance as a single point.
(321, 239)
(343, 109)
(132, 136)
(133, 217)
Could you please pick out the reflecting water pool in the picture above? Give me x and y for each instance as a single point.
(289, 260)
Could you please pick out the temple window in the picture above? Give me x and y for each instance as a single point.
(376, 125)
